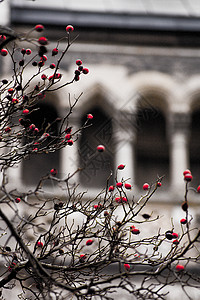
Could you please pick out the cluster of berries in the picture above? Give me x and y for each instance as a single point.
(170, 235)
(80, 70)
(187, 175)
(68, 136)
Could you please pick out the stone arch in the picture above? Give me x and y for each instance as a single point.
(97, 96)
(152, 107)
(192, 92)
(159, 87)
(48, 108)
(35, 166)
(96, 170)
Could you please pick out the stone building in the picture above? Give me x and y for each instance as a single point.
(143, 89)
(143, 85)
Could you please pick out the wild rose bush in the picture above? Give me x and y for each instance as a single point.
(67, 245)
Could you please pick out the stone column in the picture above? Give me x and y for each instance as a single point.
(178, 140)
(5, 13)
(69, 154)
(124, 137)
(15, 176)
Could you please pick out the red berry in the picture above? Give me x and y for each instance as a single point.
(106, 213)
(186, 172)
(79, 62)
(68, 136)
(183, 221)
(198, 189)
(39, 28)
(100, 148)
(23, 51)
(54, 51)
(188, 177)
(180, 267)
(17, 200)
(10, 91)
(35, 150)
(43, 76)
(2, 38)
(119, 184)
(28, 51)
(146, 186)
(159, 184)
(36, 130)
(127, 186)
(135, 230)
(43, 58)
(15, 101)
(124, 199)
(96, 206)
(10, 268)
(25, 111)
(70, 142)
(7, 129)
(175, 235)
(121, 167)
(175, 242)
(127, 267)
(32, 127)
(118, 199)
(56, 76)
(137, 255)
(82, 257)
(89, 242)
(90, 116)
(4, 52)
(52, 66)
(39, 244)
(69, 28)
(85, 70)
(54, 172)
(40, 64)
(43, 40)
(68, 130)
(111, 188)
(45, 135)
